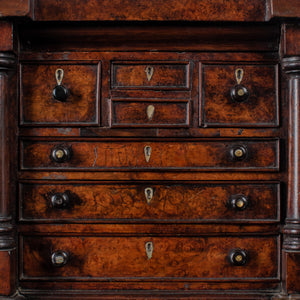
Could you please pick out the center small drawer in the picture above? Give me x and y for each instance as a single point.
(144, 113)
(150, 75)
(149, 258)
(204, 155)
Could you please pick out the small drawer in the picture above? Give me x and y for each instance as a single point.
(149, 258)
(240, 95)
(150, 75)
(59, 94)
(150, 113)
(150, 202)
(204, 155)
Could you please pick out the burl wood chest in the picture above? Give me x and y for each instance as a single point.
(149, 149)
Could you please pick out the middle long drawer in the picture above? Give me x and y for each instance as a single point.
(150, 202)
(204, 155)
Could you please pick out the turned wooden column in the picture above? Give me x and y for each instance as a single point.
(8, 109)
(291, 231)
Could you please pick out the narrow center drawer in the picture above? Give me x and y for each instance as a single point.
(151, 75)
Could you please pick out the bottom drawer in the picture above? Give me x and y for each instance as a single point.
(149, 258)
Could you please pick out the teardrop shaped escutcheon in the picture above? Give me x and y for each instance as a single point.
(149, 194)
(150, 112)
(149, 249)
(147, 152)
(149, 72)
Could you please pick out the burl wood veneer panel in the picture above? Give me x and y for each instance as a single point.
(152, 155)
(167, 202)
(124, 258)
(38, 106)
(260, 109)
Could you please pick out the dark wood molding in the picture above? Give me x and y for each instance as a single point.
(7, 177)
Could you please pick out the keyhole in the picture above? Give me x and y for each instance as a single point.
(149, 249)
(149, 72)
(59, 74)
(239, 74)
(147, 152)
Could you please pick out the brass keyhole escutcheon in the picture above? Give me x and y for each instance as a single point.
(59, 75)
(149, 249)
(149, 72)
(149, 194)
(150, 112)
(239, 74)
(147, 152)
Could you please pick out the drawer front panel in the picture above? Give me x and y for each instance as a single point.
(150, 113)
(224, 96)
(235, 202)
(38, 105)
(151, 258)
(150, 76)
(198, 155)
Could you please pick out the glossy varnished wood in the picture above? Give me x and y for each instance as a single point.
(150, 113)
(117, 257)
(38, 106)
(170, 202)
(260, 109)
(117, 155)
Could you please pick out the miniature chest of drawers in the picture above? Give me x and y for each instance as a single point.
(149, 150)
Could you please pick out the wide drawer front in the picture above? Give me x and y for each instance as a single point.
(150, 113)
(149, 202)
(140, 75)
(240, 95)
(131, 155)
(149, 257)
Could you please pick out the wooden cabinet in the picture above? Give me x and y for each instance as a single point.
(149, 151)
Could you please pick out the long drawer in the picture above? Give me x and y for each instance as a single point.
(149, 258)
(204, 155)
(150, 202)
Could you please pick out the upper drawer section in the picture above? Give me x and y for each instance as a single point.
(240, 95)
(205, 155)
(59, 94)
(152, 75)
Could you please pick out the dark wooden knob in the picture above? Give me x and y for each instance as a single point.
(61, 154)
(238, 202)
(239, 93)
(238, 152)
(238, 257)
(59, 258)
(60, 200)
(60, 93)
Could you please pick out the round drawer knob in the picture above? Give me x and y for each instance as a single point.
(59, 258)
(60, 93)
(239, 93)
(60, 200)
(60, 154)
(238, 202)
(238, 257)
(238, 153)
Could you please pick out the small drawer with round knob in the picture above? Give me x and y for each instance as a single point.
(237, 95)
(59, 94)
